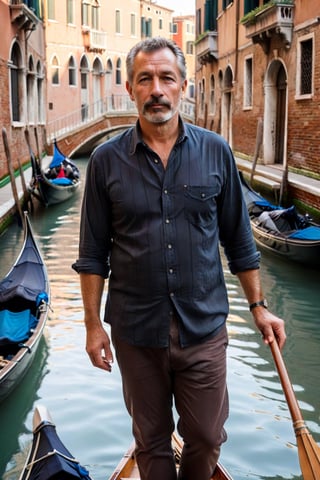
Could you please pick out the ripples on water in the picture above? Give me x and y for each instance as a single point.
(86, 404)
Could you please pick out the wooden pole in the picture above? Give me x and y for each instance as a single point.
(257, 148)
(11, 173)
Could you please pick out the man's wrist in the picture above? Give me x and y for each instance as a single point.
(260, 303)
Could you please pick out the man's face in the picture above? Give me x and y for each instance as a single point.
(157, 86)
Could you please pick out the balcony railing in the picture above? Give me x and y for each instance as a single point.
(94, 40)
(207, 47)
(274, 19)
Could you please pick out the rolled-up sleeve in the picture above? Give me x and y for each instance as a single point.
(235, 228)
(95, 225)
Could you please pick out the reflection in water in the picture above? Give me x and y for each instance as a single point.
(87, 406)
(16, 408)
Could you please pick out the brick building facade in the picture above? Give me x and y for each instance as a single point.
(22, 77)
(259, 60)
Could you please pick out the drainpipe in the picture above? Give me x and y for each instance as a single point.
(237, 40)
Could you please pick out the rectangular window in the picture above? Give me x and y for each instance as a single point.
(85, 14)
(160, 24)
(70, 11)
(133, 24)
(248, 81)
(143, 27)
(226, 3)
(306, 67)
(189, 48)
(198, 22)
(95, 18)
(118, 27)
(250, 5)
(149, 27)
(210, 15)
(51, 10)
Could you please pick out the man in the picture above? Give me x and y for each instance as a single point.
(158, 200)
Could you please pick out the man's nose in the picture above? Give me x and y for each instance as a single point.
(156, 87)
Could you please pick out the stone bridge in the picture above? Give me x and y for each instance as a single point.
(80, 132)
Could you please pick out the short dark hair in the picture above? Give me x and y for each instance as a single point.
(150, 45)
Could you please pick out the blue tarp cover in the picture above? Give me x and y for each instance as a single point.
(61, 181)
(57, 158)
(60, 465)
(16, 326)
(309, 233)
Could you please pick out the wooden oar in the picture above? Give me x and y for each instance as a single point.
(308, 449)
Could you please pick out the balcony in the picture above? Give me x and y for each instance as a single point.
(94, 40)
(275, 19)
(207, 47)
(22, 16)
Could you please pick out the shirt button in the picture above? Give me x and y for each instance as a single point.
(169, 245)
(167, 220)
(166, 191)
(171, 294)
(170, 270)
(203, 195)
(156, 160)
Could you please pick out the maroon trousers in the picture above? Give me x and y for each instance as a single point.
(195, 377)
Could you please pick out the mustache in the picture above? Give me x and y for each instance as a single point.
(157, 101)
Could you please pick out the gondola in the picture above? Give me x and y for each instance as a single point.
(58, 182)
(48, 458)
(282, 231)
(24, 299)
(127, 467)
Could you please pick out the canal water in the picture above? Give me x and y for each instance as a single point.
(86, 403)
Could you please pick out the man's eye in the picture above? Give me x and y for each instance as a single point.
(168, 79)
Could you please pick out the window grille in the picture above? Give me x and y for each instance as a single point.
(306, 67)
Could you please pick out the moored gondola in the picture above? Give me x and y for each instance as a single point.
(58, 182)
(24, 298)
(48, 458)
(282, 231)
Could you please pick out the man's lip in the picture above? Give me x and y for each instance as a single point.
(157, 105)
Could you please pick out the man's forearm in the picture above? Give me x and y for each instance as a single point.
(91, 289)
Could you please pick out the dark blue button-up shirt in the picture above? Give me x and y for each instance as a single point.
(156, 233)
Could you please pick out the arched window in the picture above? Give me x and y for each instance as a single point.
(31, 92)
(84, 78)
(16, 83)
(72, 71)
(40, 77)
(212, 95)
(98, 73)
(118, 72)
(109, 71)
(55, 71)
(202, 96)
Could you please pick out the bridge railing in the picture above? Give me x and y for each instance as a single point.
(110, 105)
(89, 113)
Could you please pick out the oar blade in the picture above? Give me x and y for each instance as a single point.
(309, 456)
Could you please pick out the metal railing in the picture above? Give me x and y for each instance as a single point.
(110, 105)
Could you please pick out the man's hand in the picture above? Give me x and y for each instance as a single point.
(98, 348)
(271, 327)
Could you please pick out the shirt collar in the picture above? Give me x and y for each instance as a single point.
(136, 138)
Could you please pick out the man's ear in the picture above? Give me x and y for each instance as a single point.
(129, 90)
(184, 87)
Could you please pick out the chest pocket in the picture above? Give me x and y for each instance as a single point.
(200, 204)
